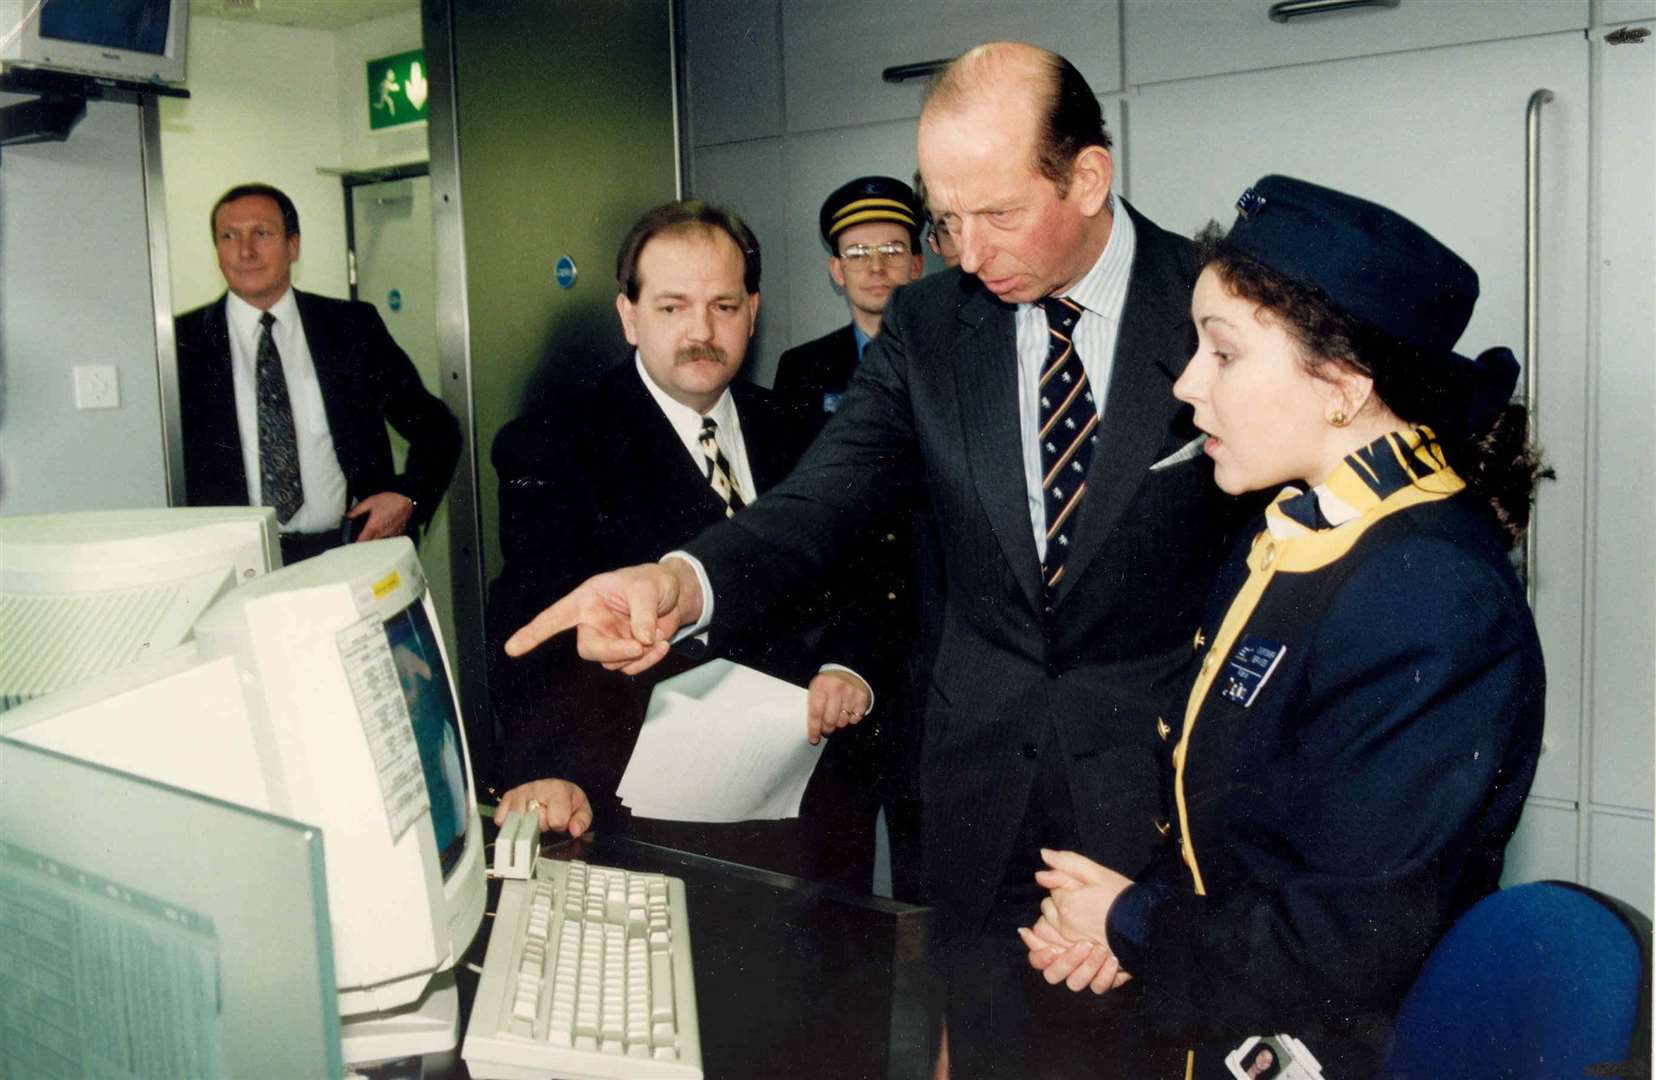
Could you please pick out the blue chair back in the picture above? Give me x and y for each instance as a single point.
(1548, 979)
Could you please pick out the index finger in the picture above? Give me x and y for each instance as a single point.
(548, 624)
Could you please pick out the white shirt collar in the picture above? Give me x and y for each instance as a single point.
(685, 420)
(1102, 290)
(244, 317)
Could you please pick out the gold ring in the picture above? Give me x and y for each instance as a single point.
(535, 805)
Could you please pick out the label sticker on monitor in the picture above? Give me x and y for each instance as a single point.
(383, 710)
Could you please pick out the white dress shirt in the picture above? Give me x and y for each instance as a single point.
(687, 424)
(1101, 292)
(319, 472)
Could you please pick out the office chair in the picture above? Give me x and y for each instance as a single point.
(1543, 980)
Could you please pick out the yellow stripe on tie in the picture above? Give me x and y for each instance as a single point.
(1086, 429)
(1063, 515)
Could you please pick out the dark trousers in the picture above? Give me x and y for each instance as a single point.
(1004, 1020)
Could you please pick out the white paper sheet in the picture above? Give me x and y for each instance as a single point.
(721, 742)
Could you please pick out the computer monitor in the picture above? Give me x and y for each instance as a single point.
(140, 41)
(84, 592)
(130, 947)
(321, 693)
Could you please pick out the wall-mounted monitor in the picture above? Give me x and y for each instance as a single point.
(139, 41)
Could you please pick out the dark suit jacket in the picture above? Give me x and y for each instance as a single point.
(367, 381)
(602, 480)
(873, 578)
(1344, 817)
(806, 373)
(933, 411)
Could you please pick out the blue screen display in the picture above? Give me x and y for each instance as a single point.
(425, 687)
(133, 25)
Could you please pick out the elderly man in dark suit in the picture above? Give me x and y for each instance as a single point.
(632, 466)
(285, 396)
(1067, 526)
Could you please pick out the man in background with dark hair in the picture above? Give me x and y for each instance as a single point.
(871, 228)
(285, 396)
(629, 467)
(1068, 529)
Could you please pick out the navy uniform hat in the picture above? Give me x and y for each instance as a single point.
(869, 198)
(1380, 268)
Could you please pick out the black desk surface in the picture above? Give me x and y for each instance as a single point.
(793, 979)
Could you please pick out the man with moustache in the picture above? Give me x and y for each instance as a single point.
(1066, 540)
(633, 466)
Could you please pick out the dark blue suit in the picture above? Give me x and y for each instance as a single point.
(1343, 813)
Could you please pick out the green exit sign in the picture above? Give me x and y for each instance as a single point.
(397, 90)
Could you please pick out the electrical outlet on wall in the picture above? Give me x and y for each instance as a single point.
(97, 386)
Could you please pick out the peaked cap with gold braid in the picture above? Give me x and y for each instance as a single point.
(869, 198)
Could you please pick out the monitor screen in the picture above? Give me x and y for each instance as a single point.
(425, 687)
(137, 25)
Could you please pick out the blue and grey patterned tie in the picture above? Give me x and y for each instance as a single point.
(279, 480)
(1069, 429)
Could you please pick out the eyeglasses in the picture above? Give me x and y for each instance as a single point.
(861, 255)
(941, 240)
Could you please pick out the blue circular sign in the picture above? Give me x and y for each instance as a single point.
(393, 299)
(566, 272)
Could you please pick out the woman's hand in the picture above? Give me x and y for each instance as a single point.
(562, 806)
(1069, 943)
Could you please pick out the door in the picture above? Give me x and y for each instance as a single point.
(391, 254)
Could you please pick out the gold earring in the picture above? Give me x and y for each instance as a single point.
(1338, 419)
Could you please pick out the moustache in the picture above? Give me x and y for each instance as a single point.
(692, 353)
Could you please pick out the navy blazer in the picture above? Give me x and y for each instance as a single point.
(932, 414)
(806, 374)
(1344, 815)
(367, 382)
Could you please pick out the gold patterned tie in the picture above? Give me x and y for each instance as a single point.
(718, 469)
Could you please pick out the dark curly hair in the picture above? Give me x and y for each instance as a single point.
(1499, 463)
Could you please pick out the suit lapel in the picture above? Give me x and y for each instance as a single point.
(761, 437)
(221, 426)
(321, 338)
(986, 385)
(653, 455)
(1140, 406)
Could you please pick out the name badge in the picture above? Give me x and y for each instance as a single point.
(1248, 669)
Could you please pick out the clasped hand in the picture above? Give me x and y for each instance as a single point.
(1068, 944)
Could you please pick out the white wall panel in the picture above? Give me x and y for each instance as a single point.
(1170, 40)
(75, 289)
(750, 178)
(835, 50)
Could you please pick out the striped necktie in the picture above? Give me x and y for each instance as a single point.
(279, 483)
(718, 469)
(1069, 428)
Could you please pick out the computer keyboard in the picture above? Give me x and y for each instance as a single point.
(587, 977)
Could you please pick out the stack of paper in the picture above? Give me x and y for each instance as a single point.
(721, 742)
